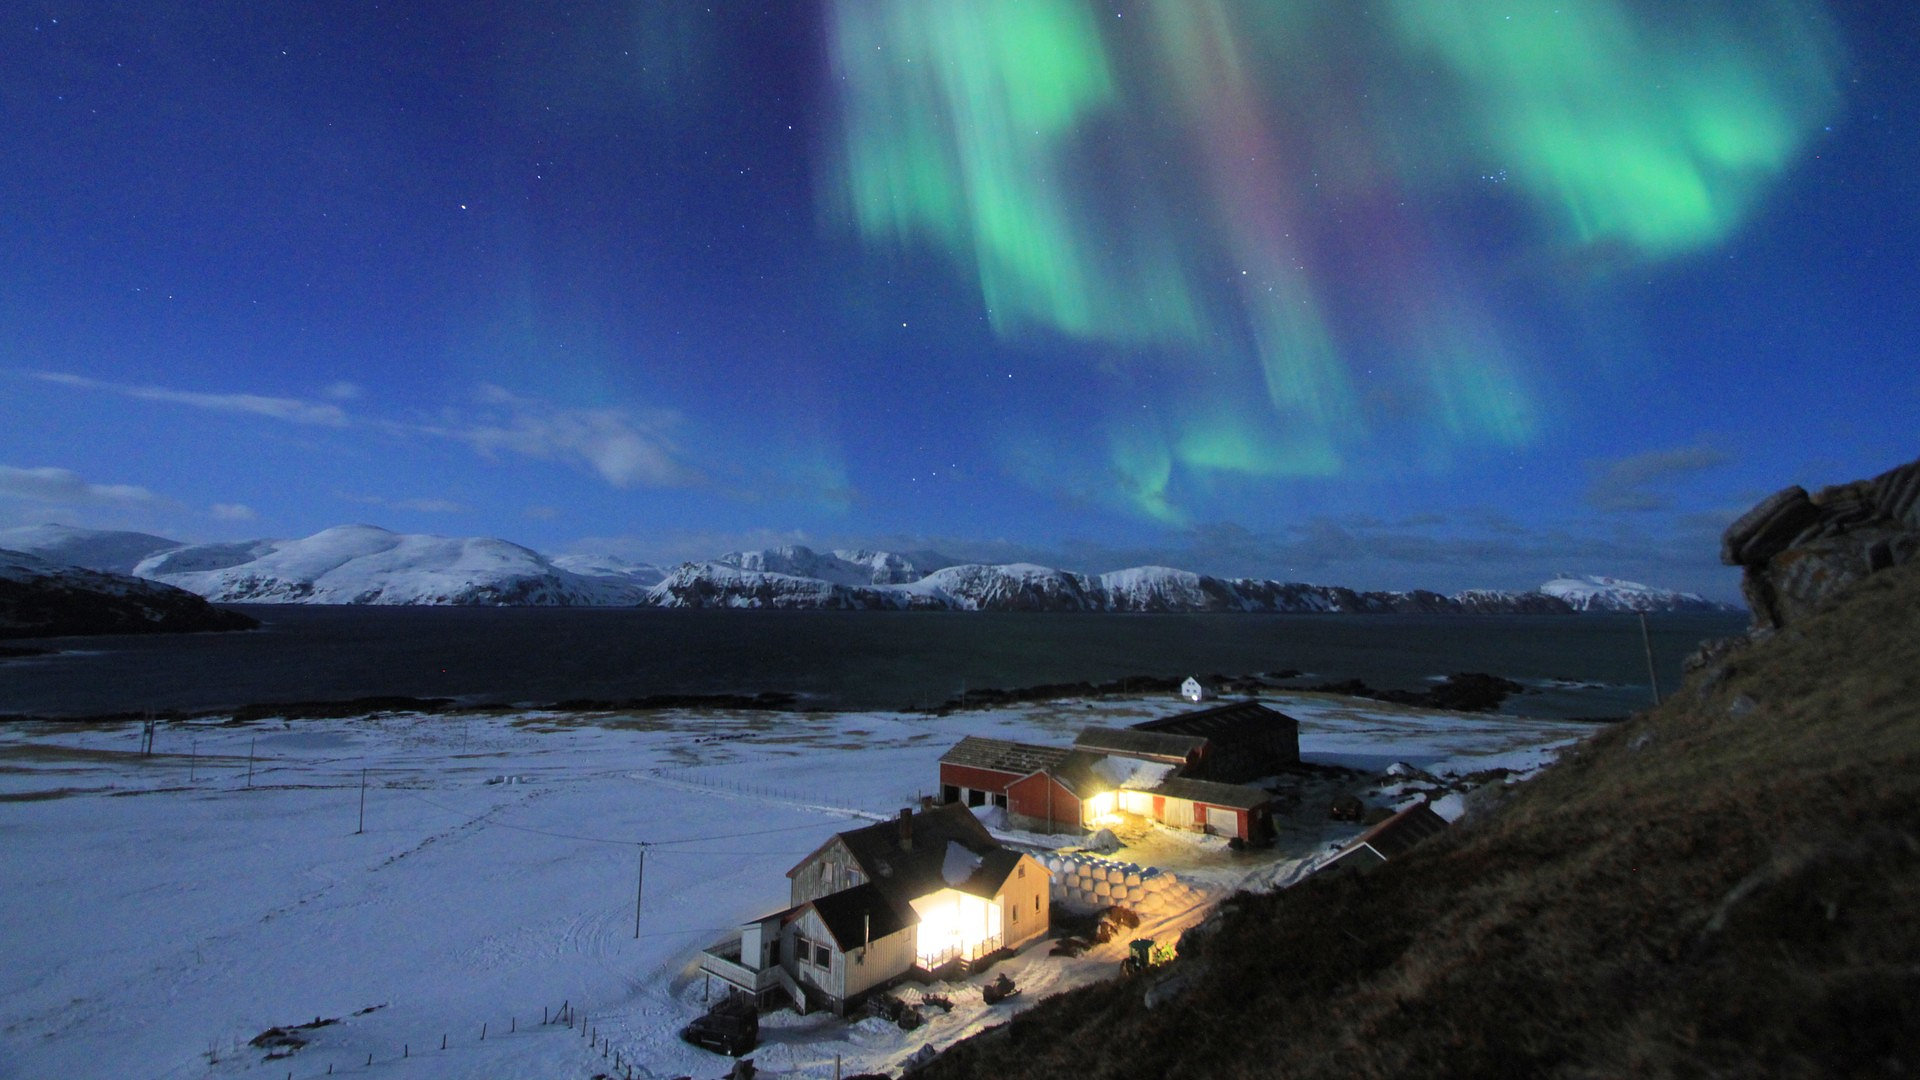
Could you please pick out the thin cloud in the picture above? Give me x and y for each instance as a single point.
(416, 505)
(1629, 483)
(625, 449)
(234, 512)
(292, 410)
(64, 486)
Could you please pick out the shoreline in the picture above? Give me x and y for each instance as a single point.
(1467, 692)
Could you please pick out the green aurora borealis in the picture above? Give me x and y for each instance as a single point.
(1275, 216)
(1383, 293)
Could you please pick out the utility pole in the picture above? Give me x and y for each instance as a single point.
(1646, 643)
(363, 802)
(250, 745)
(639, 884)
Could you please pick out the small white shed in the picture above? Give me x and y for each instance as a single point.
(1195, 690)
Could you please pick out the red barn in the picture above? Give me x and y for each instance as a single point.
(979, 771)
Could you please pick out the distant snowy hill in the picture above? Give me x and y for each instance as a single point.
(612, 568)
(852, 568)
(719, 584)
(1012, 587)
(1590, 593)
(95, 549)
(364, 564)
(39, 598)
(1162, 588)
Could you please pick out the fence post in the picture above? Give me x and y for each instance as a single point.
(483, 1032)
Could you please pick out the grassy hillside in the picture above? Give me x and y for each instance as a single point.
(1729, 885)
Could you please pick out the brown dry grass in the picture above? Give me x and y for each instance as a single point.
(1726, 886)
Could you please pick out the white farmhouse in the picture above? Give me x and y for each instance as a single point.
(928, 894)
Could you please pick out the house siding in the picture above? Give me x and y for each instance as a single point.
(1029, 893)
(830, 980)
(849, 973)
(879, 963)
(828, 870)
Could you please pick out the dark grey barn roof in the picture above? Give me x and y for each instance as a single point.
(1222, 723)
(1076, 773)
(1002, 755)
(1137, 743)
(1238, 796)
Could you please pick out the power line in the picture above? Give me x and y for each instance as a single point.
(735, 836)
(487, 819)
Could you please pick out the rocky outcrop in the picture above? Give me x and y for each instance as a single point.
(43, 599)
(1798, 551)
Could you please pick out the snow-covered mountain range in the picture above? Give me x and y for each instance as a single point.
(364, 564)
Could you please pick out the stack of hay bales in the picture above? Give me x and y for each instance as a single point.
(1088, 883)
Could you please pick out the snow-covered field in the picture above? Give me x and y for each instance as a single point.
(158, 912)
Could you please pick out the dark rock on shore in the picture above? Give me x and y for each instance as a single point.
(43, 599)
(1469, 691)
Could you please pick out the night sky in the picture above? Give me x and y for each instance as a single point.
(1388, 294)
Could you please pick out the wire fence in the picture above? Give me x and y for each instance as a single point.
(300, 1050)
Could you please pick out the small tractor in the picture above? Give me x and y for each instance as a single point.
(1144, 953)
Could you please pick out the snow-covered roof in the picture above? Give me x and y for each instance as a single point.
(1133, 773)
(959, 864)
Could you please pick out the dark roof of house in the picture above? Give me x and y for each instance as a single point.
(992, 873)
(1002, 755)
(907, 872)
(861, 914)
(1220, 723)
(1138, 743)
(1238, 796)
(1392, 837)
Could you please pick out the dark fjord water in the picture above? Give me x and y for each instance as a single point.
(831, 659)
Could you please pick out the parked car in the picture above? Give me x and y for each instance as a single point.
(731, 1027)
